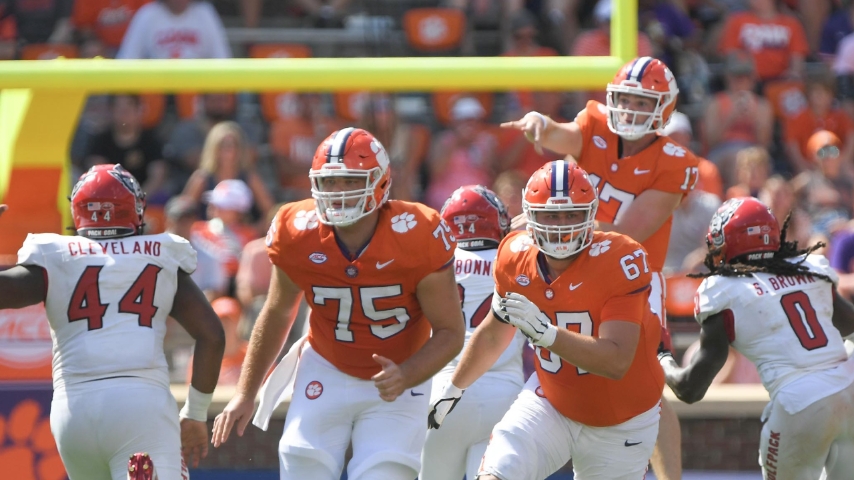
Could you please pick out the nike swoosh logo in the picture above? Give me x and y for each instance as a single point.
(415, 394)
(631, 444)
(573, 287)
(640, 172)
(380, 266)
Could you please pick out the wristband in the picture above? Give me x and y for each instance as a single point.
(196, 406)
(542, 119)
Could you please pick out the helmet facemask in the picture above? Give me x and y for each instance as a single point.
(344, 208)
(561, 241)
(641, 123)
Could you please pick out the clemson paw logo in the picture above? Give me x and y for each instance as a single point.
(600, 247)
(27, 448)
(521, 243)
(305, 220)
(674, 150)
(403, 223)
(313, 390)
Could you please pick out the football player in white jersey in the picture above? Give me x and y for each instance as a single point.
(107, 292)
(778, 306)
(479, 220)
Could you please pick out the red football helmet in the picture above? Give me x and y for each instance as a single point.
(478, 216)
(107, 202)
(354, 153)
(560, 186)
(645, 77)
(743, 227)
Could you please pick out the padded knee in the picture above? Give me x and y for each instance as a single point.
(299, 467)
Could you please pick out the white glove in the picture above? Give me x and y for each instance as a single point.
(443, 406)
(527, 317)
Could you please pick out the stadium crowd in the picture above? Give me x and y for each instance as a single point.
(758, 80)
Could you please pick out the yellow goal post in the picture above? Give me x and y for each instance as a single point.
(40, 101)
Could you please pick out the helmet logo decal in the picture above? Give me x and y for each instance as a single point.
(722, 216)
(382, 155)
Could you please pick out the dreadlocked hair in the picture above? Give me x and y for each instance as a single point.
(776, 265)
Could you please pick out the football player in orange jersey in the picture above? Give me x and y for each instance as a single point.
(641, 177)
(595, 395)
(376, 276)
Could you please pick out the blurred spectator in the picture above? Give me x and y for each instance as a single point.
(514, 150)
(821, 115)
(184, 147)
(825, 192)
(523, 43)
(779, 195)
(138, 150)
(254, 274)
(753, 167)
(668, 27)
(226, 233)
(175, 29)
(464, 154)
(40, 21)
(293, 141)
(406, 144)
(8, 35)
(104, 22)
(225, 156)
(837, 27)
(228, 311)
(691, 219)
(508, 186)
(181, 213)
(777, 41)
(737, 117)
(597, 42)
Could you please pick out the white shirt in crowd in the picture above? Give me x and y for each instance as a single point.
(157, 33)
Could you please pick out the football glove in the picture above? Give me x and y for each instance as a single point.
(443, 406)
(527, 317)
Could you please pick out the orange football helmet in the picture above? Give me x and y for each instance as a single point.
(644, 77)
(349, 152)
(560, 186)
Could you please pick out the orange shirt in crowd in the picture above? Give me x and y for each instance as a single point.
(229, 372)
(770, 42)
(743, 129)
(109, 19)
(800, 127)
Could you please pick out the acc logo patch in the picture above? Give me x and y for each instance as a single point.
(317, 257)
(523, 280)
(313, 390)
(600, 142)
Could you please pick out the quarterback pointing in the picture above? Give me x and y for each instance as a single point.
(595, 395)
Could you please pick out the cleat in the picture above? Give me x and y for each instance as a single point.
(140, 467)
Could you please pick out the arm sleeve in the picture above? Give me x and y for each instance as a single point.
(679, 169)
(626, 307)
(31, 253)
(132, 43)
(711, 298)
(219, 47)
(184, 253)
